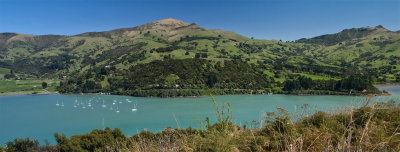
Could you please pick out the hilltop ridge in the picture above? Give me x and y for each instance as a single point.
(346, 35)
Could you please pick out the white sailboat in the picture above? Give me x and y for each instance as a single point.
(117, 110)
(103, 105)
(62, 103)
(57, 104)
(134, 108)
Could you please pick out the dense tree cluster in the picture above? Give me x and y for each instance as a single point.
(196, 77)
(354, 82)
(172, 78)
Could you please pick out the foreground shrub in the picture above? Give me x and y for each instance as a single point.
(23, 145)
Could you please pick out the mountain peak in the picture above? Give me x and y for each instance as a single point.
(381, 28)
(168, 22)
(378, 28)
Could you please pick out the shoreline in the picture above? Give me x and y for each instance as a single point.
(25, 93)
(387, 85)
(49, 93)
(366, 95)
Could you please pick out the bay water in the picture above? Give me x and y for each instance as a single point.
(40, 116)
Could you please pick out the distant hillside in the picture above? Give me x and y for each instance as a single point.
(369, 50)
(345, 35)
(66, 54)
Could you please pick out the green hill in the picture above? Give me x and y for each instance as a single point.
(345, 35)
(372, 51)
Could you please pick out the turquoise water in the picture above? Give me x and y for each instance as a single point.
(38, 117)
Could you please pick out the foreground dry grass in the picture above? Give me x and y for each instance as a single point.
(369, 128)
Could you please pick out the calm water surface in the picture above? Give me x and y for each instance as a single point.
(39, 117)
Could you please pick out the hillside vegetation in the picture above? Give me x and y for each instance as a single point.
(130, 52)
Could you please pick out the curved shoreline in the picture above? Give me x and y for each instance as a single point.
(48, 93)
(16, 94)
(387, 85)
(24, 93)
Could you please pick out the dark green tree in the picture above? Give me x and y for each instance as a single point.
(212, 79)
(44, 85)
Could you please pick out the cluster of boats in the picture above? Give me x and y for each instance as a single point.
(90, 104)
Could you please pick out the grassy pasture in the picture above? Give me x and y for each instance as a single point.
(26, 86)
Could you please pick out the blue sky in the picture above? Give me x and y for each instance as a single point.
(261, 19)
